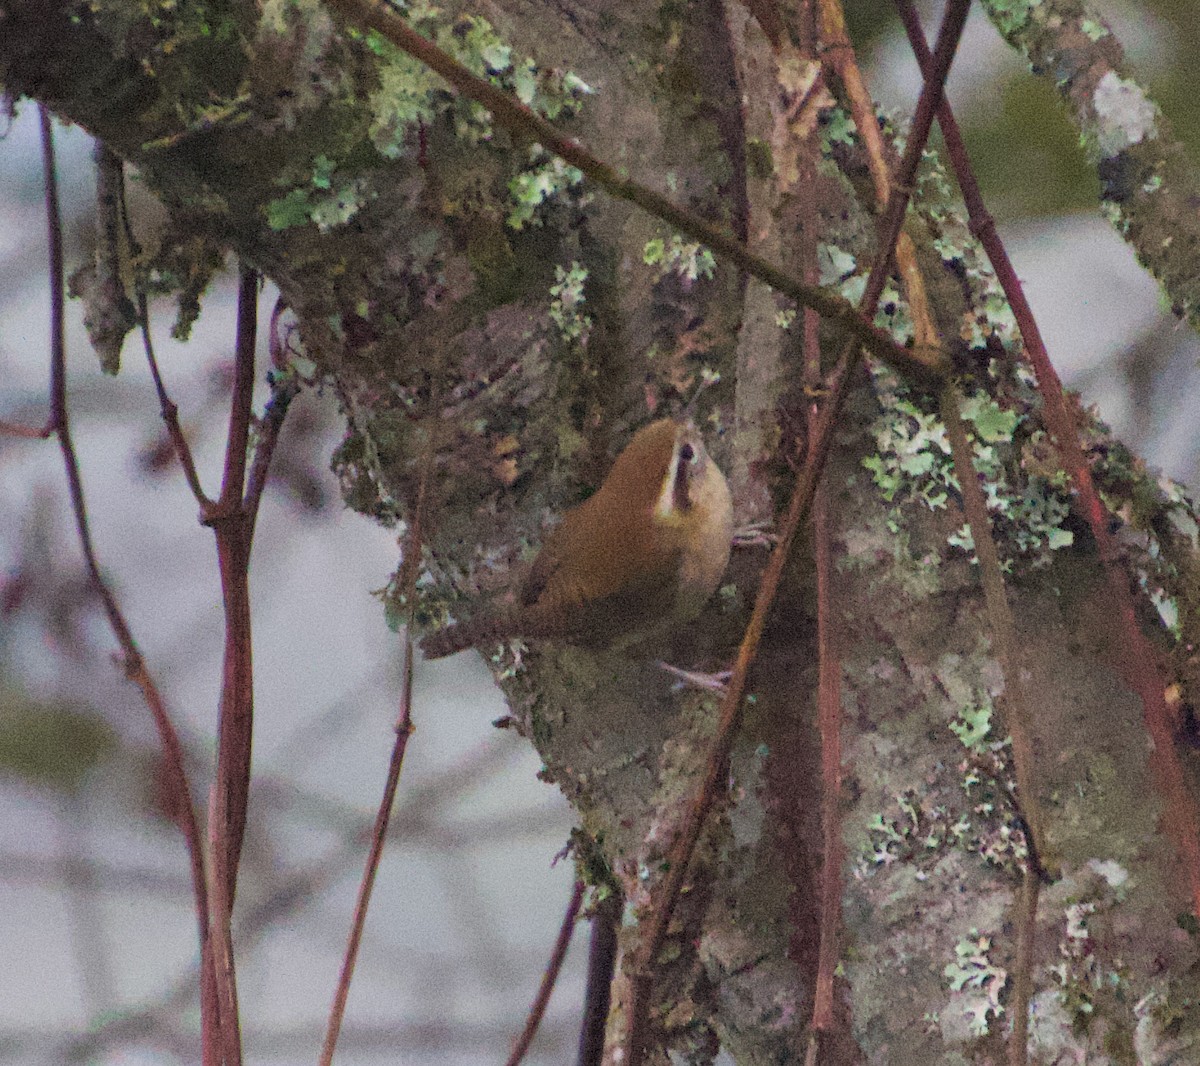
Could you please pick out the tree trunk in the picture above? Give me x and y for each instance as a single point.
(469, 300)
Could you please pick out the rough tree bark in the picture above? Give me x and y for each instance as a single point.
(451, 281)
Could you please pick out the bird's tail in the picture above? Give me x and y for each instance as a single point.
(481, 629)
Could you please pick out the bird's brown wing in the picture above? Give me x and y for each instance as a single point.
(604, 571)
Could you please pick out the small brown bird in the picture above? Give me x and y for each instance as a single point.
(640, 556)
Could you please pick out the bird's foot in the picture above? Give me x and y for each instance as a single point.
(712, 682)
(755, 535)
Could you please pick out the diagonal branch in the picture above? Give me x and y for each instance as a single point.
(549, 979)
(924, 365)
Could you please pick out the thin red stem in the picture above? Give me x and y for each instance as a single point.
(602, 959)
(410, 568)
(404, 730)
(135, 665)
(829, 722)
(242, 407)
(167, 408)
(549, 979)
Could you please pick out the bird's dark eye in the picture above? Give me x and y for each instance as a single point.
(687, 454)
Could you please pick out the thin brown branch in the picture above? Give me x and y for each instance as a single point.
(838, 53)
(167, 408)
(828, 662)
(1016, 701)
(1022, 994)
(403, 731)
(134, 664)
(15, 429)
(925, 365)
(241, 409)
(409, 570)
(1000, 619)
(378, 837)
(602, 961)
(296, 890)
(235, 726)
(232, 529)
(829, 714)
(663, 906)
(1136, 659)
(537, 1009)
(285, 387)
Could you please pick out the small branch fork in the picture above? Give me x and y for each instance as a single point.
(410, 569)
(232, 517)
(58, 425)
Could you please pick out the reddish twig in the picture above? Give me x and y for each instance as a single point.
(15, 429)
(231, 527)
(1135, 657)
(663, 907)
(167, 408)
(597, 997)
(235, 726)
(409, 569)
(134, 665)
(549, 979)
(404, 730)
(242, 407)
(285, 387)
(828, 662)
(508, 112)
(829, 713)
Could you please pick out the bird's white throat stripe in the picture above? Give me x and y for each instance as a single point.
(665, 507)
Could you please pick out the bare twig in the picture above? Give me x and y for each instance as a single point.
(167, 408)
(231, 783)
(285, 387)
(15, 429)
(549, 979)
(134, 664)
(409, 569)
(684, 846)
(296, 890)
(829, 713)
(928, 366)
(378, 837)
(602, 959)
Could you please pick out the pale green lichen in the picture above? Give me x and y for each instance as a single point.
(975, 983)
(566, 307)
(1011, 15)
(981, 819)
(1082, 976)
(1125, 116)
(913, 463)
(410, 93)
(326, 200)
(688, 259)
(549, 178)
